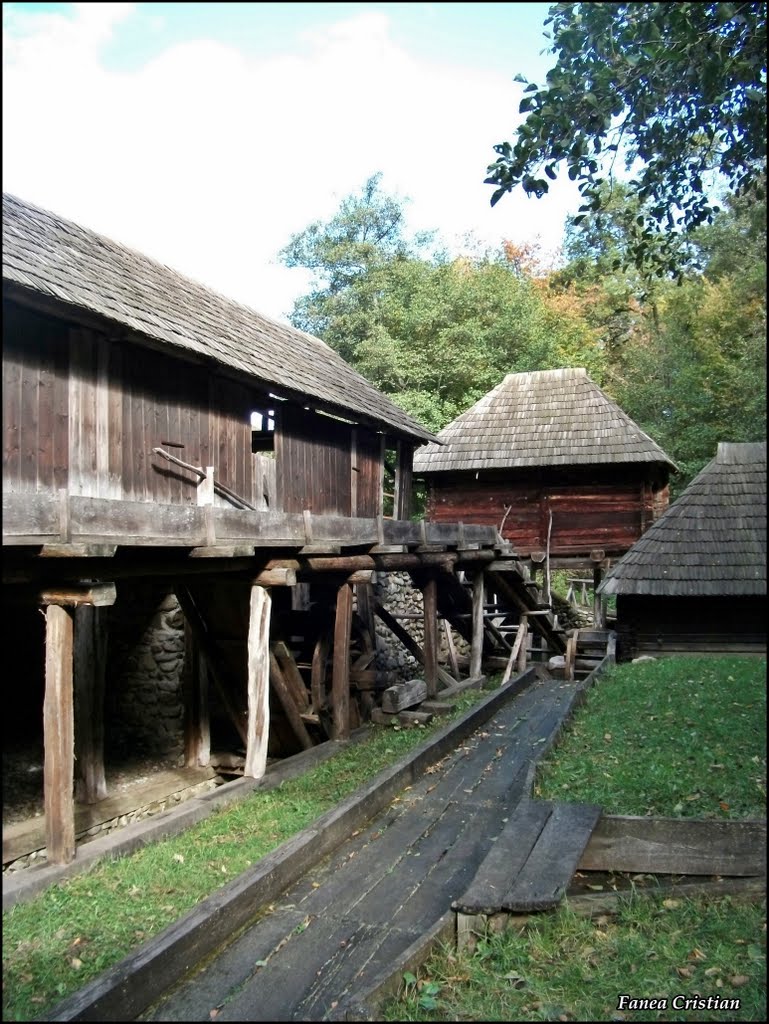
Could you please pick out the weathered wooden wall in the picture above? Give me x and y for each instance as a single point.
(592, 509)
(649, 624)
(83, 412)
(325, 465)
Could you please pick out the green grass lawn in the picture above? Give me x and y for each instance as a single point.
(674, 737)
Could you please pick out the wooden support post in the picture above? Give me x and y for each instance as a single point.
(451, 646)
(476, 646)
(258, 683)
(523, 629)
(430, 602)
(515, 653)
(340, 678)
(364, 599)
(197, 728)
(90, 662)
(599, 618)
(59, 736)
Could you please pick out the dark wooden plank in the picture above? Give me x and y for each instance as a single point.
(90, 663)
(676, 846)
(197, 726)
(505, 859)
(59, 736)
(292, 675)
(544, 878)
(430, 607)
(476, 646)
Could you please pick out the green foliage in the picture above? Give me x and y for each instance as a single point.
(676, 91)
(434, 334)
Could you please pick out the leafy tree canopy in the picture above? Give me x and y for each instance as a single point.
(675, 90)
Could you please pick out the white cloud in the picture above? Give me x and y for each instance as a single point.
(209, 160)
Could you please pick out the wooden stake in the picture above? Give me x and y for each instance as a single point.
(90, 659)
(430, 601)
(258, 683)
(59, 736)
(285, 696)
(340, 679)
(453, 660)
(197, 729)
(476, 646)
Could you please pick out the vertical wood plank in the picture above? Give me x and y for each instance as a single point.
(381, 475)
(452, 649)
(353, 472)
(102, 410)
(12, 370)
(598, 605)
(45, 415)
(90, 663)
(476, 646)
(59, 736)
(340, 679)
(197, 729)
(258, 682)
(115, 420)
(430, 601)
(403, 476)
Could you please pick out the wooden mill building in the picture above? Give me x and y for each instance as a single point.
(552, 462)
(158, 433)
(696, 581)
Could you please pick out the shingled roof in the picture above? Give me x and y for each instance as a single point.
(711, 541)
(53, 257)
(543, 418)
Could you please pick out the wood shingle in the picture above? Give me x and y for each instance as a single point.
(541, 418)
(711, 541)
(53, 258)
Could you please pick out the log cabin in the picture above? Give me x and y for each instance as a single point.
(161, 438)
(554, 464)
(696, 580)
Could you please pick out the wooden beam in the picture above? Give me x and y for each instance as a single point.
(409, 642)
(452, 649)
(291, 674)
(90, 662)
(59, 736)
(430, 602)
(99, 595)
(285, 694)
(258, 683)
(197, 726)
(476, 646)
(340, 679)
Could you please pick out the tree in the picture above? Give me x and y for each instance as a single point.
(676, 90)
(434, 334)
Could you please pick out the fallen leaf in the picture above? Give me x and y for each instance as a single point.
(179, 858)
(671, 904)
(739, 979)
(696, 954)
(723, 805)
(77, 964)
(607, 737)
(685, 972)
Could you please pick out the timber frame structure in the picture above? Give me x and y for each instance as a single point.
(157, 431)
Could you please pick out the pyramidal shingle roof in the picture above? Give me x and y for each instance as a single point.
(711, 541)
(542, 418)
(56, 258)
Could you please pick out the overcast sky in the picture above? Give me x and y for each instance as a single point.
(206, 134)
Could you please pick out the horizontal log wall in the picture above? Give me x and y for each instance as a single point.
(597, 511)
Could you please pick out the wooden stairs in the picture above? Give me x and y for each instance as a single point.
(585, 650)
